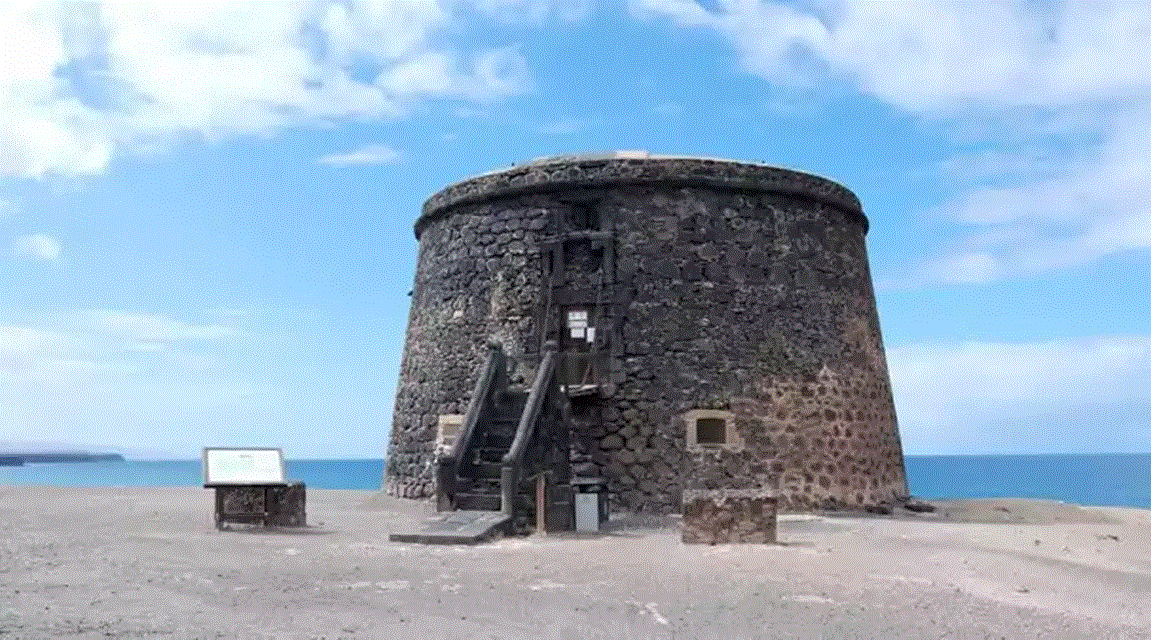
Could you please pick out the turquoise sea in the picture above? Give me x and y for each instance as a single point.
(1100, 480)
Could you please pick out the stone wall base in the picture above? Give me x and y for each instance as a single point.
(278, 506)
(288, 506)
(725, 516)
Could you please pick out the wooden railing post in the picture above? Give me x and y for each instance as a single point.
(542, 501)
(509, 482)
(445, 484)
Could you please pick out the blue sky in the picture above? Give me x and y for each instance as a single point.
(206, 209)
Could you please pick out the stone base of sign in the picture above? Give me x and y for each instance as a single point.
(287, 505)
(267, 505)
(724, 516)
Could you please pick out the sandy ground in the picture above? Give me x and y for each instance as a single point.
(147, 562)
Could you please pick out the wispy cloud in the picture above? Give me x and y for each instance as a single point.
(1028, 163)
(113, 376)
(370, 154)
(977, 396)
(104, 335)
(535, 11)
(226, 312)
(564, 126)
(36, 247)
(1047, 75)
(83, 82)
(1051, 215)
(151, 327)
(922, 56)
(472, 113)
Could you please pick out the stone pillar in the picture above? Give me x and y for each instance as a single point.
(720, 508)
(722, 516)
(287, 505)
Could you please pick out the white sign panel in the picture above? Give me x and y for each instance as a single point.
(243, 466)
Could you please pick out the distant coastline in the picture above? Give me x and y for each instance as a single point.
(19, 459)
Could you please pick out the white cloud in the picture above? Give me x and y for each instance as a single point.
(369, 154)
(472, 113)
(226, 312)
(1043, 76)
(564, 126)
(1098, 205)
(535, 11)
(114, 377)
(940, 57)
(105, 340)
(37, 246)
(964, 268)
(1029, 163)
(20, 342)
(978, 397)
(83, 82)
(151, 327)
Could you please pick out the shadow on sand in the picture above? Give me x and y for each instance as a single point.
(309, 530)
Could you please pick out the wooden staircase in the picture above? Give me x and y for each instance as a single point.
(478, 483)
(513, 444)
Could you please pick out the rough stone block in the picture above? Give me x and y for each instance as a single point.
(726, 516)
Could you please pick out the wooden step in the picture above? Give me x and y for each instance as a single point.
(478, 485)
(479, 501)
(510, 421)
(490, 454)
(498, 440)
(493, 502)
(512, 404)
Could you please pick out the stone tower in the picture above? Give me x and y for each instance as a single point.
(713, 315)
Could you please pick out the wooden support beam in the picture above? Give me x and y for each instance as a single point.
(541, 502)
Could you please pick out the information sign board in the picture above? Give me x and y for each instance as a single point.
(226, 466)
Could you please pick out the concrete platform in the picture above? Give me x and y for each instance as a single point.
(455, 527)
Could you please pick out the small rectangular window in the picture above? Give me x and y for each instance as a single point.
(582, 217)
(711, 431)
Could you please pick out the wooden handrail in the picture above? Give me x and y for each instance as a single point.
(542, 388)
(487, 385)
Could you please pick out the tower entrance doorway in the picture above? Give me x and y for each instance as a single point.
(578, 345)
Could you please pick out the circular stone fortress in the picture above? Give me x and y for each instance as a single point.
(716, 322)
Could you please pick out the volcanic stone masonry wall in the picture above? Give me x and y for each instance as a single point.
(747, 297)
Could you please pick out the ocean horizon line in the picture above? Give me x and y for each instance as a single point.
(1080, 478)
(905, 455)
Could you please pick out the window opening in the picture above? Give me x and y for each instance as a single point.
(583, 218)
(711, 431)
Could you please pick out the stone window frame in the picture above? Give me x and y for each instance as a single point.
(448, 428)
(732, 439)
